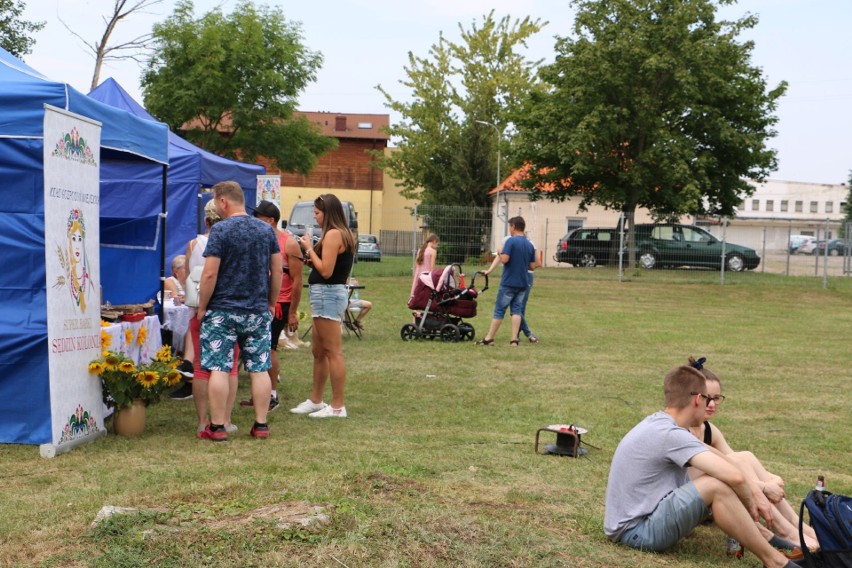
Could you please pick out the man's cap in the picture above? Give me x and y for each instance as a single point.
(267, 209)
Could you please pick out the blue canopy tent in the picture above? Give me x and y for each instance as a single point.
(24, 374)
(190, 169)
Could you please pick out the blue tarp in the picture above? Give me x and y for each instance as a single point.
(24, 376)
(190, 169)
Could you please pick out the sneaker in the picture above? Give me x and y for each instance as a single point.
(329, 412)
(260, 431)
(794, 553)
(186, 369)
(218, 435)
(231, 428)
(248, 402)
(273, 403)
(183, 392)
(308, 406)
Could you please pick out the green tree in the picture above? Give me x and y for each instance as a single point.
(445, 156)
(231, 84)
(14, 32)
(653, 103)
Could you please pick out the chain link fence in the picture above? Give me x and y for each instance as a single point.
(469, 235)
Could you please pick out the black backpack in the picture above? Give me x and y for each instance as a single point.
(831, 519)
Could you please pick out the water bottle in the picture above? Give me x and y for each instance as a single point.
(820, 486)
(355, 296)
(734, 548)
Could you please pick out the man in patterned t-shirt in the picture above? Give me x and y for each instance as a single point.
(237, 296)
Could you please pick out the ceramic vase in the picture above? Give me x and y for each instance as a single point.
(130, 421)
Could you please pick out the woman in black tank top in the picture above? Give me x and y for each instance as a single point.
(330, 261)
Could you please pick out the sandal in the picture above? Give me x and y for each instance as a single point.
(485, 342)
(514, 343)
(533, 339)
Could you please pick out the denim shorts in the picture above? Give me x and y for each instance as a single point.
(221, 330)
(328, 301)
(675, 516)
(509, 296)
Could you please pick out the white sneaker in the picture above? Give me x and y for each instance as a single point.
(308, 406)
(329, 412)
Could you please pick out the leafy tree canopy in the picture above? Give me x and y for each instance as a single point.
(14, 32)
(239, 74)
(653, 103)
(444, 155)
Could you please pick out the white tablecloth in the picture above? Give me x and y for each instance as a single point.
(176, 319)
(125, 338)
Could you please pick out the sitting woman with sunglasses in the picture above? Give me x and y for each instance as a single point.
(785, 520)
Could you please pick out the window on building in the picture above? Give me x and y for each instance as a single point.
(829, 206)
(814, 207)
(784, 206)
(741, 206)
(770, 205)
(799, 207)
(755, 204)
(573, 223)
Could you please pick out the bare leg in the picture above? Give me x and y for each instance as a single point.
(275, 368)
(199, 397)
(492, 331)
(218, 389)
(516, 326)
(331, 357)
(320, 361)
(732, 517)
(233, 380)
(260, 389)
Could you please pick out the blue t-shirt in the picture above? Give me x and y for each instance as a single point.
(243, 246)
(521, 253)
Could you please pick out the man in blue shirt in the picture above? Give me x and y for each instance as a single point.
(236, 299)
(517, 256)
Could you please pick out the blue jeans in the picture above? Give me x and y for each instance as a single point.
(509, 296)
(524, 327)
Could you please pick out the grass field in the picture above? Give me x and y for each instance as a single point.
(435, 465)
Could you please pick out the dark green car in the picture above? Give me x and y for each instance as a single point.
(670, 245)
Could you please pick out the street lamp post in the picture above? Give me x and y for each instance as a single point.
(505, 195)
(499, 135)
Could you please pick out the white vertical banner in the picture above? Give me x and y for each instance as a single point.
(269, 189)
(72, 258)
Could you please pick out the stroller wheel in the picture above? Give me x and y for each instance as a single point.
(408, 332)
(466, 332)
(449, 333)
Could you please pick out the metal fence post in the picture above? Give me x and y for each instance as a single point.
(724, 242)
(621, 248)
(763, 252)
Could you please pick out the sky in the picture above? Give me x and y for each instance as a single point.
(366, 43)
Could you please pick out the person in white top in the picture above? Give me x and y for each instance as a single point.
(176, 283)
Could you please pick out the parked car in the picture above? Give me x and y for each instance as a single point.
(796, 241)
(671, 245)
(588, 247)
(807, 246)
(368, 248)
(836, 247)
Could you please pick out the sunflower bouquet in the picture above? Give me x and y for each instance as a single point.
(123, 380)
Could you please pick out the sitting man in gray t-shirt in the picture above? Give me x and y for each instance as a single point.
(650, 501)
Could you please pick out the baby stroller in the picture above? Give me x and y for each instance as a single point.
(439, 306)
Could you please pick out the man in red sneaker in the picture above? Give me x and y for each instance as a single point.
(237, 298)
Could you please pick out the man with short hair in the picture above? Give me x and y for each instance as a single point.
(651, 502)
(518, 257)
(287, 307)
(237, 296)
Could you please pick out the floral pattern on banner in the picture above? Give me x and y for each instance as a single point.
(74, 147)
(79, 425)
